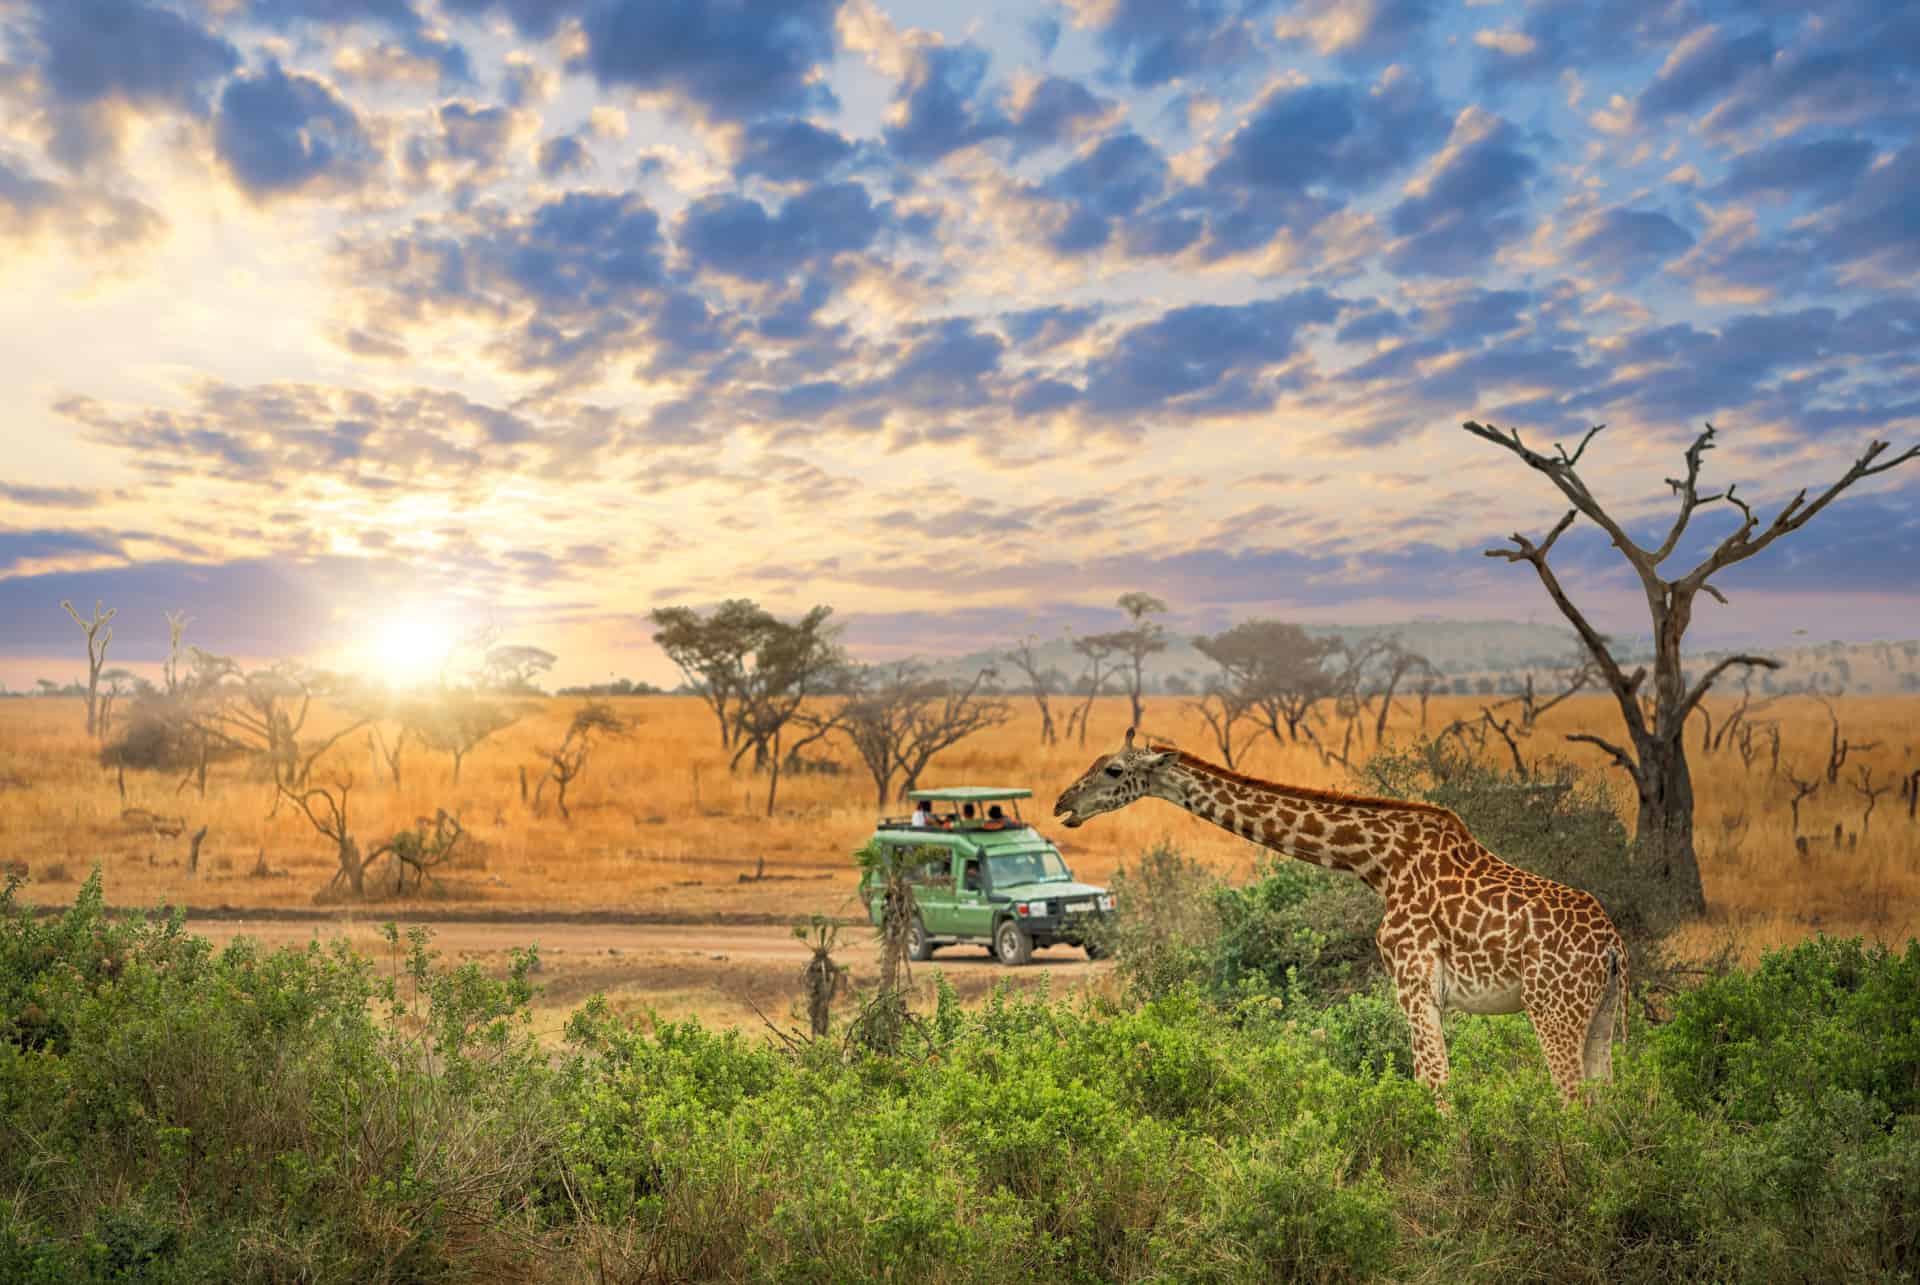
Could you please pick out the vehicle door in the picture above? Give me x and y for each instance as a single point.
(931, 878)
(972, 912)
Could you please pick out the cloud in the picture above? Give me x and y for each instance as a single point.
(1150, 43)
(1468, 204)
(96, 54)
(289, 435)
(1619, 244)
(23, 548)
(1341, 137)
(1818, 170)
(727, 59)
(738, 237)
(1588, 34)
(941, 108)
(1204, 359)
(1358, 32)
(1703, 66)
(790, 151)
(278, 133)
(49, 497)
(561, 155)
(78, 212)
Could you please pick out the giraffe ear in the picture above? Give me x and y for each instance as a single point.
(1129, 738)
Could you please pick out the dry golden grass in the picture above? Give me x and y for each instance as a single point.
(660, 826)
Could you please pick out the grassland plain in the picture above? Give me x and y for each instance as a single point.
(660, 826)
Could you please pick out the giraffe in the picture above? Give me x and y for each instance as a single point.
(1463, 929)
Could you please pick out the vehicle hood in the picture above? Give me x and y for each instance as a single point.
(1050, 891)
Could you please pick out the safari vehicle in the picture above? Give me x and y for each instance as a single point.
(1001, 886)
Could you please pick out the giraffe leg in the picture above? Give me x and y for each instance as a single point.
(1563, 1008)
(1597, 1054)
(1415, 986)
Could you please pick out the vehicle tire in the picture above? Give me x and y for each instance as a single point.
(1094, 950)
(1011, 944)
(919, 946)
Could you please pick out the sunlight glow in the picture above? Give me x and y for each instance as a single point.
(409, 647)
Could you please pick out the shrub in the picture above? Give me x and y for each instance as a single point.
(1822, 1015)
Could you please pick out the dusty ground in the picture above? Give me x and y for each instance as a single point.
(728, 974)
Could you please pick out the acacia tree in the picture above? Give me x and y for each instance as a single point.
(1277, 668)
(1144, 639)
(898, 718)
(1655, 758)
(712, 652)
(789, 664)
(99, 632)
(513, 667)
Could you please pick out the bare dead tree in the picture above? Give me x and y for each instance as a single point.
(1223, 707)
(177, 622)
(565, 763)
(428, 844)
(326, 809)
(1099, 650)
(388, 753)
(1801, 790)
(119, 683)
(1867, 790)
(1838, 747)
(1657, 761)
(1397, 664)
(1042, 684)
(99, 632)
(1910, 791)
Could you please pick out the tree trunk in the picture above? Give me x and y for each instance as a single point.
(1663, 831)
(93, 697)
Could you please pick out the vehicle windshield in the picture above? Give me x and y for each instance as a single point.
(1027, 867)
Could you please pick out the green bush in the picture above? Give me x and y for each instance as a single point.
(171, 1113)
(1821, 1015)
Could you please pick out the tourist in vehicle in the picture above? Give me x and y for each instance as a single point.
(922, 815)
(996, 819)
(970, 879)
(967, 815)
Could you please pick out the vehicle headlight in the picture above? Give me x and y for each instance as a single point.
(1106, 901)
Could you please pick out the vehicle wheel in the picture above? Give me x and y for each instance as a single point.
(919, 948)
(1095, 950)
(1011, 945)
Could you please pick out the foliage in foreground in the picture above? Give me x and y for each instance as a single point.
(171, 1113)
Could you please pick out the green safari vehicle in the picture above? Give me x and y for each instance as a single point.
(982, 875)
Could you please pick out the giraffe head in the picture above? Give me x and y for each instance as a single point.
(1113, 781)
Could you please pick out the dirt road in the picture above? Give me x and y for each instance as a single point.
(725, 973)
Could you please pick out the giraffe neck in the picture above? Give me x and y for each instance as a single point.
(1366, 837)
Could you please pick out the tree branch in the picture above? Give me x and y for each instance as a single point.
(1739, 546)
(1619, 755)
(1699, 689)
(1596, 645)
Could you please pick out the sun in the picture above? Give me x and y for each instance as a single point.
(409, 647)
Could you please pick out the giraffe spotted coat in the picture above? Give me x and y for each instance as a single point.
(1463, 929)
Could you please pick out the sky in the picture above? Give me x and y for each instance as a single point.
(344, 324)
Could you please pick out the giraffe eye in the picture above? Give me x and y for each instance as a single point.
(1113, 771)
